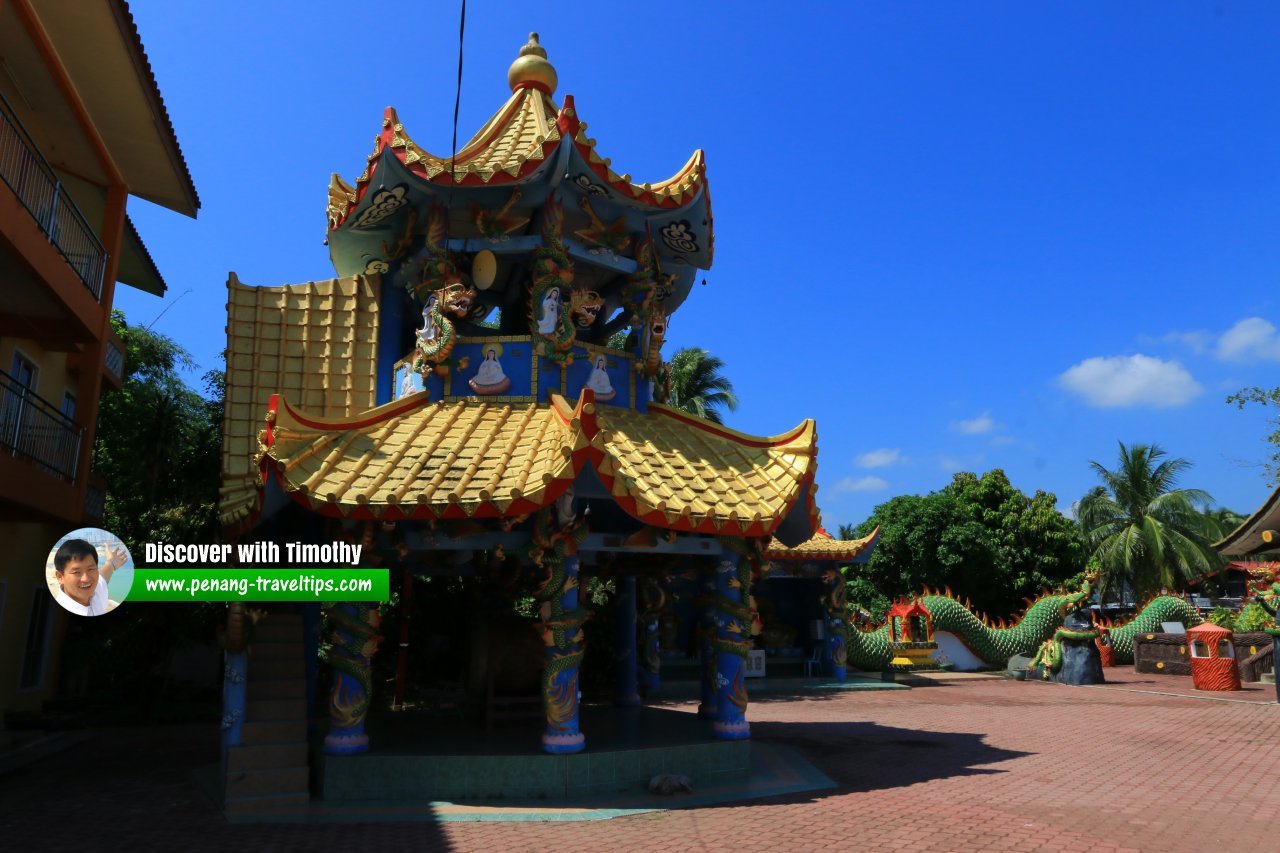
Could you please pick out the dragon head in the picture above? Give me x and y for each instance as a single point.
(585, 306)
(456, 300)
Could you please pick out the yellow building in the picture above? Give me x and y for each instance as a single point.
(82, 127)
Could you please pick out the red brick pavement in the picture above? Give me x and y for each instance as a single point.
(969, 766)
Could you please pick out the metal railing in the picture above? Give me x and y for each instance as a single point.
(32, 428)
(113, 359)
(36, 185)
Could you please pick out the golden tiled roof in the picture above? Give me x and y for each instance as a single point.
(822, 547)
(418, 459)
(471, 458)
(315, 342)
(674, 470)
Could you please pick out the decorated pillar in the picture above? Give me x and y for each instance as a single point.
(653, 599)
(354, 638)
(625, 692)
(557, 533)
(835, 602)
(706, 633)
(235, 673)
(731, 639)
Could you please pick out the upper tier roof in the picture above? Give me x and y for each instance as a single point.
(530, 151)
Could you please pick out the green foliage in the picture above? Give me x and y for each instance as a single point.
(979, 535)
(1223, 618)
(1141, 528)
(699, 386)
(158, 444)
(1264, 397)
(619, 339)
(1251, 618)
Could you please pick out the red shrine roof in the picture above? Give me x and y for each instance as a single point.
(908, 608)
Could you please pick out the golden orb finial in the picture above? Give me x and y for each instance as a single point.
(531, 68)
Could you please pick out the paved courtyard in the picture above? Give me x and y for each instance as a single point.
(979, 764)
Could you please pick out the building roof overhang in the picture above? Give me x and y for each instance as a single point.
(97, 44)
(1259, 534)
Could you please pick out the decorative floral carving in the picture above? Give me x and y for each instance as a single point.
(377, 265)
(385, 203)
(678, 236)
(584, 183)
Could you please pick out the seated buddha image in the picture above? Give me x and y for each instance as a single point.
(489, 378)
(599, 381)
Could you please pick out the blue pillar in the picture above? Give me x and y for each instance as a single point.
(235, 684)
(390, 348)
(835, 602)
(706, 636)
(355, 641)
(625, 693)
(562, 635)
(732, 641)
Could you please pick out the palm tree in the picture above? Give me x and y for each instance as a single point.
(698, 385)
(1142, 529)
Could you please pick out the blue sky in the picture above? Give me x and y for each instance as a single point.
(960, 236)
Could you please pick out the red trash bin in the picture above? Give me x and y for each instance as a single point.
(1213, 658)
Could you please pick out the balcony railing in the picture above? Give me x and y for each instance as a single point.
(113, 359)
(32, 428)
(36, 185)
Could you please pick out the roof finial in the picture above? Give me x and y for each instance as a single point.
(531, 68)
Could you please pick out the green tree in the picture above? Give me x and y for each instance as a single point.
(158, 444)
(1264, 397)
(979, 535)
(699, 386)
(1141, 528)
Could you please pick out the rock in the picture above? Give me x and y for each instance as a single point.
(667, 784)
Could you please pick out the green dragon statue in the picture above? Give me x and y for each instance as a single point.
(996, 643)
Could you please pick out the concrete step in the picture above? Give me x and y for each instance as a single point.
(275, 731)
(271, 804)
(276, 669)
(266, 756)
(269, 650)
(268, 710)
(264, 687)
(275, 781)
(1268, 678)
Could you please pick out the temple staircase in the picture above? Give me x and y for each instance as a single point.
(268, 773)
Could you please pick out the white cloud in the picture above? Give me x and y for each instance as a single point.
(980, 425)
(861, 484)
(879, 458)
(1130, 380)
(1003, 440)
(1252, 339)
(1197, 342)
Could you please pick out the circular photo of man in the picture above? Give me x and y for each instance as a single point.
(89, 571)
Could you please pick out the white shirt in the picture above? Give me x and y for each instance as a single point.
(97, 605)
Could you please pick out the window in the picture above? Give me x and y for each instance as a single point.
(37, 650)
(69, 406)
(24, 370)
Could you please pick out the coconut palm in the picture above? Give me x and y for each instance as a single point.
(699, 386)
(1141, 528)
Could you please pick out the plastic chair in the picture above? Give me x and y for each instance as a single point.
(815, 660)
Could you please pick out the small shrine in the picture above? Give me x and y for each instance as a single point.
(911, 636)
(481, 392)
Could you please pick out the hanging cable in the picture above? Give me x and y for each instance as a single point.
(453, 157)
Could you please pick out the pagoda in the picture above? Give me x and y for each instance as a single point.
(484, 380)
